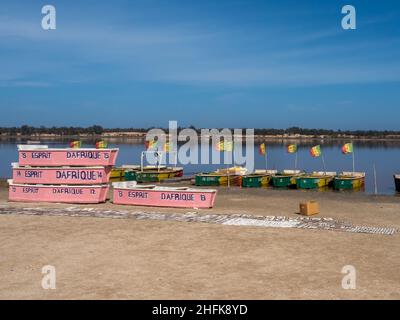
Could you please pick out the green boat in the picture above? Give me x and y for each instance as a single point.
(315, 180)
(258, 179)
(286, 178)
(349, 181)
(151, 173)
(220, 177)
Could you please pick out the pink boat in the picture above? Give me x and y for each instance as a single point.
(130, 193)
(41, 156)
(61, 175)
(57, 193)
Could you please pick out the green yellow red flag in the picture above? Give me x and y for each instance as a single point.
(262, 149)
(224, 146)
(168, 146)
(150, 144)
(101, 145)
(316, 151)
(75, 144)
(347, 148)
(292, 148)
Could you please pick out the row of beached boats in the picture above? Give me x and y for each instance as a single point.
(282, 179)
(82, 176)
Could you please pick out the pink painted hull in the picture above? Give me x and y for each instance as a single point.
(66, 194)
(157, 198)
(67, 157)
(71, 175)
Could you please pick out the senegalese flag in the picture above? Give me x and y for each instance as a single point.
(75, 144)
(315, 151)
(150, 144)
(228, 146)
(224, 146)
(347, 148)
(220, 146)
(292, 148)
(262, 150)
(168, 146)
(101, 145)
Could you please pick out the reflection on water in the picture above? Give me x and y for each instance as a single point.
(384, 154)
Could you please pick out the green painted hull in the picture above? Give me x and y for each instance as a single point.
(152, 176)
(307, 183)
(130, 175)
(256, 181)
(283, 181)
(207, 180)
(313, 182)
(348, 184)
(217, 180)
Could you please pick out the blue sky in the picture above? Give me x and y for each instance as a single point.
(234, 63)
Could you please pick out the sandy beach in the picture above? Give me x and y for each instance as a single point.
(105, 258)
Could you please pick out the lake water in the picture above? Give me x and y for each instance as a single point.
(385, 156)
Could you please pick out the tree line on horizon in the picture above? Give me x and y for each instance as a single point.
(26, 130)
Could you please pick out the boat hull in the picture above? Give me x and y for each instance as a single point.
(284, 181)
(117, 174)
(154, 176)
(69, 175)
(256, 181)
(59, 194)
(164, 198)
(348, 183)
(313, 182)
(67, 157)
(217, 180)
(397, 183)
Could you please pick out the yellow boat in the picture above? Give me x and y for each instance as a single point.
(221, 176)
(117, 174)
(151, 173)
(257, 179)
(315, 180)
(349, 180)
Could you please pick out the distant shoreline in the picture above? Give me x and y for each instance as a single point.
(140, 137)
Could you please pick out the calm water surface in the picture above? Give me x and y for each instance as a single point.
(385, 156)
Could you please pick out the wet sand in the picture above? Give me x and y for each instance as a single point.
(104, 258)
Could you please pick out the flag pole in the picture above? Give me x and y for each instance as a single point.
(227, 169)
(375, 184)
(353, 160)
(295, 161)
(266, 161)
(323, 163)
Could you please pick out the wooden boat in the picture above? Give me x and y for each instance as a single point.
(349, 180)
(57, 193)
(315, 180)
(41, 155)
(286, 178)
(151, 173)
(257, 179)
(60, 175)
(117, 174)
(129, 193)
(221, 176)
(397, 182)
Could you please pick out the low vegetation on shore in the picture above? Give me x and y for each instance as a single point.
(97, 130)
